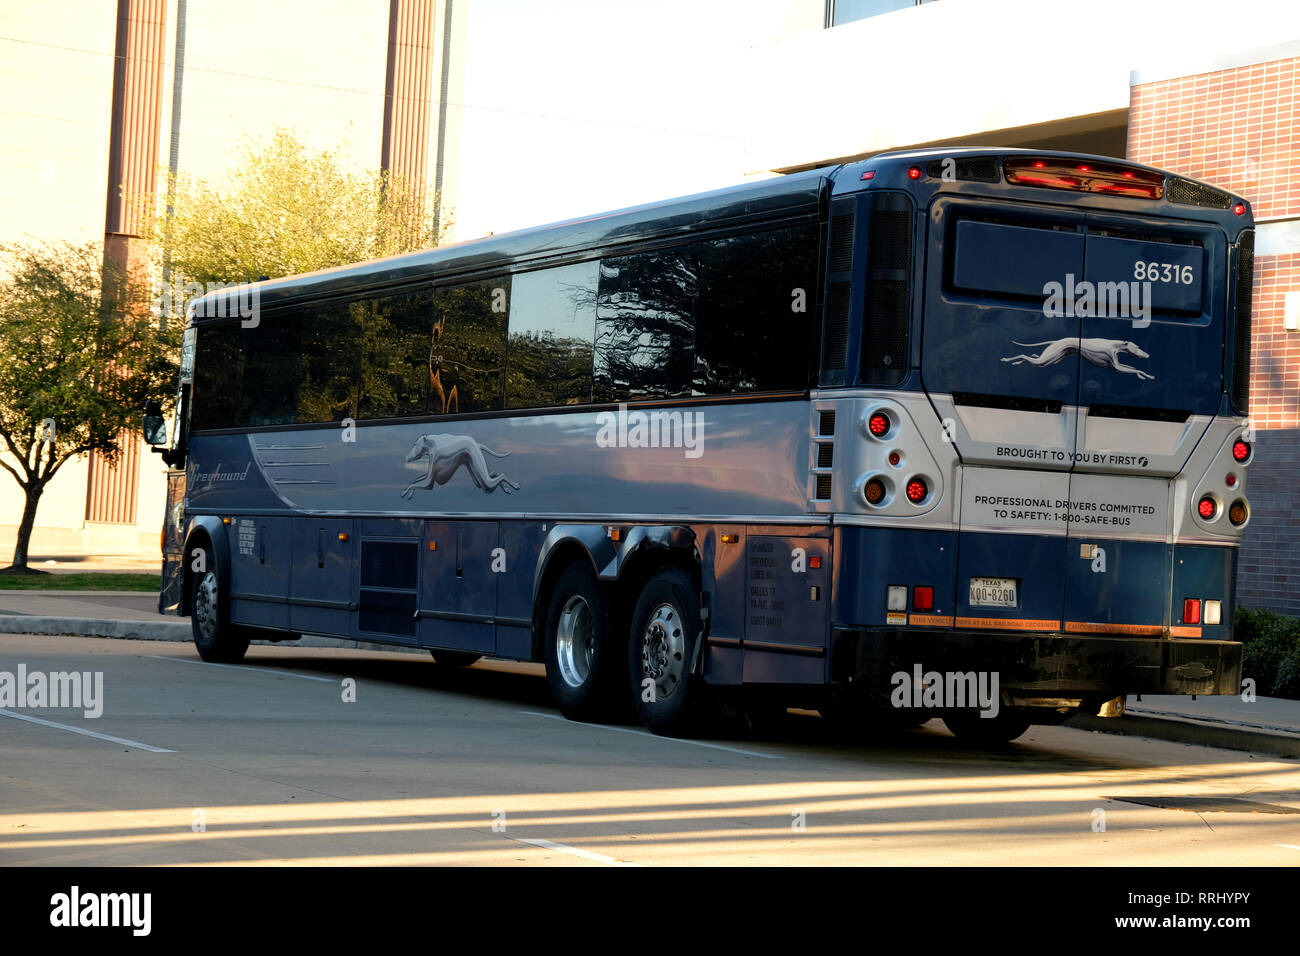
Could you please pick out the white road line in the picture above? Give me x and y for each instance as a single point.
(87, 733)
(276, 671)
(1287, 846)
(646, 733)
(574, 851)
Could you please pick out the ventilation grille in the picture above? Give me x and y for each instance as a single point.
(1241, 351)
(823, 456)
(389, 582)
(1185, 192)
(835, 338)
(981, 169)
(840, 256)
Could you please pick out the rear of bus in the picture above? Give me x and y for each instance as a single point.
(1035, 374)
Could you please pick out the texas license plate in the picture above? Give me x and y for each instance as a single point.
(993, 592)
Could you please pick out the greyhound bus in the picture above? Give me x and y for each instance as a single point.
(940, 433)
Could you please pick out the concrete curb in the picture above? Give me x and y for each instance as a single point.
(1182, 730)
(177, 631)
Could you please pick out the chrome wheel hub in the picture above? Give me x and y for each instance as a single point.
(574, 640)
(205, 606)
(663, 650)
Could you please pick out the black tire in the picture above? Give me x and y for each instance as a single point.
(218, 640)
(977, 731)
(585, 667)
(670, 699)
(454, 658)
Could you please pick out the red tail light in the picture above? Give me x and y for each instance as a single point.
(1241, 450)
(917, 490)
(1192, 611)
(914, 172)
(1207, 508)
(1109, 178)
(923, 598)
(878, 423)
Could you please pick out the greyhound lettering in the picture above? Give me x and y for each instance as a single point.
(1104, 353)
(446, 454)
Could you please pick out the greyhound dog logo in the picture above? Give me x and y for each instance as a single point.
(446, 454)
(1104, 353)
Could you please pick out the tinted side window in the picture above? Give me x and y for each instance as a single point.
(396, 354)
(467, 347)
(645, 325)
(217, 365)
(755, 321)
(552, 330)
(331, 337)
(269, 392)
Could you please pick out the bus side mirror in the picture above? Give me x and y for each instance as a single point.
(155, 426)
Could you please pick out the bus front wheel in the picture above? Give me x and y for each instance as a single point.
(218, 640)
(971, 728)
(584, 665)
(665, 630)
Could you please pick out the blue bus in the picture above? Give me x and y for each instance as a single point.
(940, 433)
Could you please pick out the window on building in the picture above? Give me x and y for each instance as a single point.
(839, 12)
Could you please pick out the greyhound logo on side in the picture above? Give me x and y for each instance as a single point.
(1104, 353)
(446, 454)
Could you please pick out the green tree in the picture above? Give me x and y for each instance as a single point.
(284, 210)
(79, 355)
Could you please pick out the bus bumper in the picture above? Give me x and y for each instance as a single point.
(1038, 665)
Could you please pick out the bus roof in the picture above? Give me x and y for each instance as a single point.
(782, 197)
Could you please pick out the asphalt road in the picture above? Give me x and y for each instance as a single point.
(267, 762)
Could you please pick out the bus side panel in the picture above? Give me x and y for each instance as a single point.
(521, 545)
(870, 560)
(1206, 573)
(787, 597)
(458, 588)
(322, 589)
(1119, 584)
(260, 555)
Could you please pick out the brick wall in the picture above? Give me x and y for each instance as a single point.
(1269, 573)
(1237, 128)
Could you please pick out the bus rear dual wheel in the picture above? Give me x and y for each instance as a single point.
(593, 671)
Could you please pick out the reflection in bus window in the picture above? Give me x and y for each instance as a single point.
(645, 325)
(552, 329)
